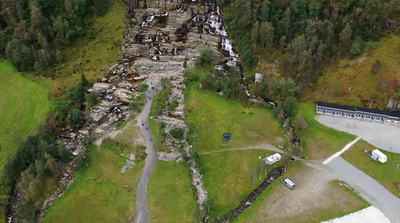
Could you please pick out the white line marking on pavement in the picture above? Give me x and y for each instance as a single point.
(341, 151)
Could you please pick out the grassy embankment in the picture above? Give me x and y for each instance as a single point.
(171, 197)
(23, 107)
(158, 133)
(387, 174)
(99, 193)
(91, 54)
(353, 82)
(319, 141)
(338, 200)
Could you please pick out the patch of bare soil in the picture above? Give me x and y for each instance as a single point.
(316, 196)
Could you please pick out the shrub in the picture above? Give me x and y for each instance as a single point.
(83, 159)
(84, 81)
(76, 93)
(92, 98)
(290, 106)
(87, 142)
(137, 103)
(177, 133)
(209, 83)
(191, 76)
(143, 87)
(205, 59)
(174, 104)
(75, 118)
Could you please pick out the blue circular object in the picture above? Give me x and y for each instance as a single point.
(227, 136)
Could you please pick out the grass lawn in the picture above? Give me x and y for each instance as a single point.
(278, 204)
(171, 197)
(99, 193)
(387, 174)
(338, 84)
(214, 115)
(319, 141)
(91, 54)
(230, 176)
(23, 107)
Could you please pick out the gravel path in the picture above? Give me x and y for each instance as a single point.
(369, 189)
(384, 136)
(151, 158)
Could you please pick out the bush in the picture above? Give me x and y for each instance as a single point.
(83, 159)
(84, 81)
(92, 98)
(137, 103)
(177, 133)
(290, 106)
(205, 59)
(191, 76)
(174, 104)
(143, 87)
(76, 93)
(209, 83)
(75, 118)
(63, 154)
(87, 142)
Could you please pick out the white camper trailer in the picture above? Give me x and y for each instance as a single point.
(273, 159)
(378, 156)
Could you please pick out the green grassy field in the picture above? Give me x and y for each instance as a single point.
(387, 174)
(91, 54)
(338, 84)
(99, 193)
(319, 141)
(214, 115)
(171, 197)
(230, 176)
(23, 107)
(340, 201)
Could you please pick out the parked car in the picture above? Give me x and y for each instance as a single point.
(290, 184)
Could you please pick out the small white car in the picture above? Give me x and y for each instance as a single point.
(290, 184)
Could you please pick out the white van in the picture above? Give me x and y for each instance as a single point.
(290, 184)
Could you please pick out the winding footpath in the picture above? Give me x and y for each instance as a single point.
(151, 158)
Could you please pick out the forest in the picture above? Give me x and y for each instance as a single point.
(33, 33)
(309, 33)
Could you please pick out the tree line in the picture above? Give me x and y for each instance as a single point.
(34, 32)
(310, 33)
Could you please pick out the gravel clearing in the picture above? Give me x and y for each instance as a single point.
(367, 215)
(384, 136)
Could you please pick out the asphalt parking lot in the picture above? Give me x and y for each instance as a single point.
(381, 135)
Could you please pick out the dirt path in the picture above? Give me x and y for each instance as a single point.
(151, 158)
(261, 146)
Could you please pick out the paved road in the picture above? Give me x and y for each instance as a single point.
(369, 189)
(151, 158)
(381, 135)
